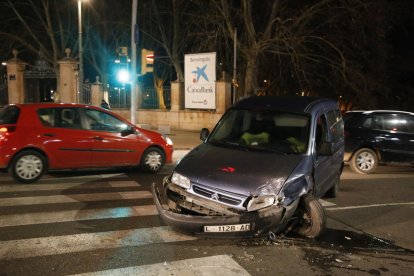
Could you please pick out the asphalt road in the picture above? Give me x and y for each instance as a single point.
(106, 224)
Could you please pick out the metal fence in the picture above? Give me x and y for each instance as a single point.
(85, 95)
(148, 98)
(120, 97)
(4, 98)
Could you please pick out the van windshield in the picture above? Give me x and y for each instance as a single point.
(262, 130)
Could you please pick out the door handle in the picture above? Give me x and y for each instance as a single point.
(49, 135)
(99, 138)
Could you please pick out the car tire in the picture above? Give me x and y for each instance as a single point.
(28, 166)
(333, 191)
(311, 215)
(364, 161)
(152, 160)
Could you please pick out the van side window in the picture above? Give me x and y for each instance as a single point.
(336, 125)
(321, 131)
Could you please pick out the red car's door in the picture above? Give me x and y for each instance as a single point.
(109, 146)
(63, 139)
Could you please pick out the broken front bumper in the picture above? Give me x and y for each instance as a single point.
(261, 222)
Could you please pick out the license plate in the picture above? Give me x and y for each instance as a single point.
(228, 228)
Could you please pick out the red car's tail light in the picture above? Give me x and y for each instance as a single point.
(5, 131)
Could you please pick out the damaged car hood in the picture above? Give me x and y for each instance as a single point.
(235, 170)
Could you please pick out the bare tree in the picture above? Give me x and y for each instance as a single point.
(106, 30)
(315, 48)
(50, 26)
(39, 26)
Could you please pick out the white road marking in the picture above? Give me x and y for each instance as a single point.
(85, 242)
(368, 206)
(27, 248)
(77, 215)
(70, 198)
(65, 186)
(326, 203)
(214, 265)
(379, 175)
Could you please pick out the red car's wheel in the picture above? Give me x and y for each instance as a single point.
(28, 166)
(152, 160)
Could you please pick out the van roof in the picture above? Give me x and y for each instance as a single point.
(290, 104)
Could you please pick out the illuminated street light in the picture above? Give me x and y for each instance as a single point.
(123, 76)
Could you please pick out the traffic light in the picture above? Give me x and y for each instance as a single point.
(122, 51)
(147, 61)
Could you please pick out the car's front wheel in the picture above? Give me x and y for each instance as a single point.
(364, 161)
(28, 166)
(311, 216)
(152, 160)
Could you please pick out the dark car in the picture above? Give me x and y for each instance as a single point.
(260, 171)
(35, 138)
(378, 137)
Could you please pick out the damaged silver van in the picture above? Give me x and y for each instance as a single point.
(260, 171)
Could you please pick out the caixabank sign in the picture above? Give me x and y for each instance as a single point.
(200, 81)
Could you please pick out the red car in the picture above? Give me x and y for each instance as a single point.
(35, 138)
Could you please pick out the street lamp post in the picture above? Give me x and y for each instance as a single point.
(80, 74)
(134, 41)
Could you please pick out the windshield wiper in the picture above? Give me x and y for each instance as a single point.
(227, 144)
(265, 149)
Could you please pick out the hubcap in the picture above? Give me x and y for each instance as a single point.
(365, 161)
(29, 167)
(153, 160)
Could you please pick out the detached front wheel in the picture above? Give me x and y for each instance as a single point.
(152, 160)
(28, 166)
(311, 215)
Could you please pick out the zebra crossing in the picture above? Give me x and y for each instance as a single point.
(54, 226)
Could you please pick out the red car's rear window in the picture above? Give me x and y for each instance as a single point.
(9, 115)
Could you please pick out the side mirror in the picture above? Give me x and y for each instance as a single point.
(325, 149)
(204, 134)
(128, 131)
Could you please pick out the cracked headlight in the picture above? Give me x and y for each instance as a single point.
(260, 202)
(180, 180)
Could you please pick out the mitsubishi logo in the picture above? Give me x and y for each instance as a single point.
(215, 196)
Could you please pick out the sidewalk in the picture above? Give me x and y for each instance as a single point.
(185, 139)
(182, 139)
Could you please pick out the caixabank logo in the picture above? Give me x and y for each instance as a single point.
(200, 72)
